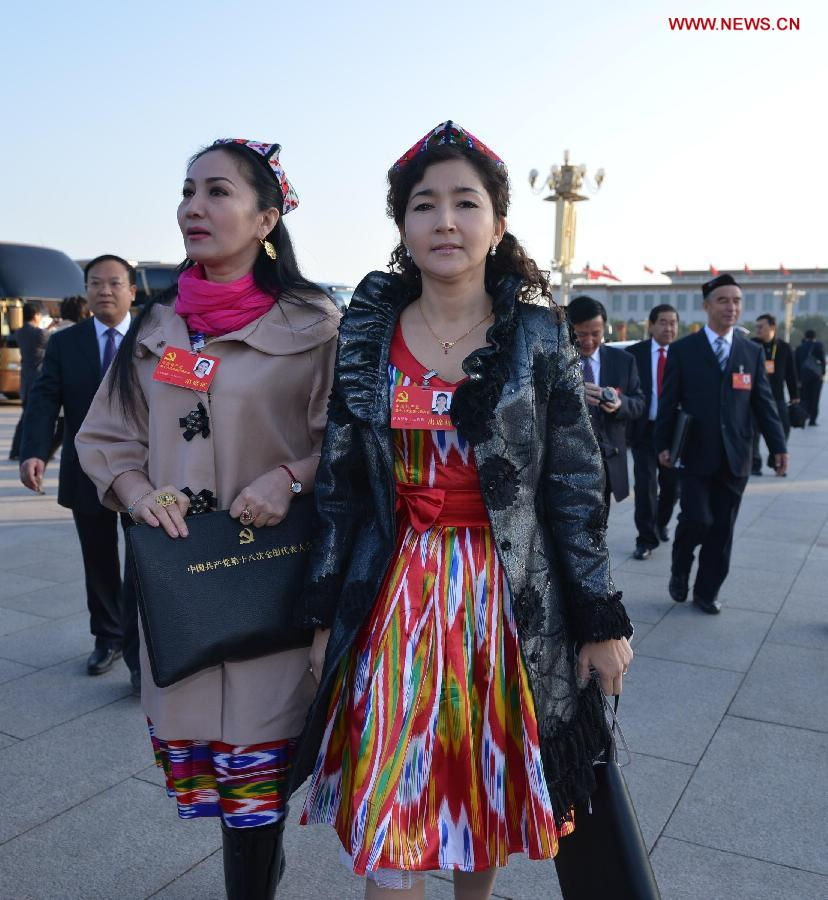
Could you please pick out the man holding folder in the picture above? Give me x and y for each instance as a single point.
(718, 378)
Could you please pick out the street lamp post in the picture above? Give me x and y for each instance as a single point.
(790, 296)
(565, 182)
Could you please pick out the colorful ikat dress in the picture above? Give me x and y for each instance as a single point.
(430, 756)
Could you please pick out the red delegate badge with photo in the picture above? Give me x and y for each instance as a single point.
(421, 407)
(742, 381)
(186, 369)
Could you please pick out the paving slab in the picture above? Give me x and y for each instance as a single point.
(787, 685)
(641, 630)
(55, 602)
(655, 787)
(51, 696)
(49, 643)
(12, 620)
(759, 791)
(10, 670)
(125, 842)
(727, 641)
(58, 568)
(802, 621)
(53, 771)
(790, 531)
(672, 709)
(11, 585)
(755, 589)
(768, 556)
(686, 871)
(645, 595)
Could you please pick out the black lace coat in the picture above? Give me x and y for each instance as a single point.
(522, 409)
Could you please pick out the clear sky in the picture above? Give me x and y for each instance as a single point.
(714, 143)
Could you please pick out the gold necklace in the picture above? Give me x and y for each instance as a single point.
(447, 345)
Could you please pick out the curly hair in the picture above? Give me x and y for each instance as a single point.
(510, 258)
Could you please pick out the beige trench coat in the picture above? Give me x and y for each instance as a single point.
(267, 406)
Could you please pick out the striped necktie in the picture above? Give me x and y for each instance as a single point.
(720, 345)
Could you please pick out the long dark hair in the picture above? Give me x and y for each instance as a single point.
(281, 278)
(510, 258)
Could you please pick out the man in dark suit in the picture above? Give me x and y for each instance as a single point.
(656, 486)
(613, 391)
(31, 342)
(781, 370)
(76, 360)
(718, 377)
(810, 365)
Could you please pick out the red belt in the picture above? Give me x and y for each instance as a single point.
(425, 507)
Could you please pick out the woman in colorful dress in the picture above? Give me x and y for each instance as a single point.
(247, 441)
(460, 581)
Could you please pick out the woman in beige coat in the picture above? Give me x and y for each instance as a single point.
(248, 443)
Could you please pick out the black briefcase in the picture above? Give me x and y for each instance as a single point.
(225, 592)
(798, 415)
(606, 855)
(680, 431)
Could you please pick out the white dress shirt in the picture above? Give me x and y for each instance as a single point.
(713, 337)
(654, 370)
(595, 361)
(120, 330)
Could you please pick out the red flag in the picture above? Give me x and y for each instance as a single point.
(713, 270)
(648, 269)
(783, 270)
(748, 270)
(608, 270)
(593, 274)
(678, 271)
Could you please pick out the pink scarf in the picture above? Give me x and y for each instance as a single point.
(218, 308)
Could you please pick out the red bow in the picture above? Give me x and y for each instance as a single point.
(422, 505)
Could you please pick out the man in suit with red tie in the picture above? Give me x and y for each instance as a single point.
(76, 360)
(656, 486)
(718, 378)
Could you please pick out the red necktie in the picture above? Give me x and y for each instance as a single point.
(660, 366)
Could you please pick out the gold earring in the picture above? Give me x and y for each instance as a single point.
(269, 249)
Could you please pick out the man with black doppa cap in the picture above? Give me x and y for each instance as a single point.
(717, 377)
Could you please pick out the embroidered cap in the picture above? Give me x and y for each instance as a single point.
(447, 133)
(270, 154)
(719, 281)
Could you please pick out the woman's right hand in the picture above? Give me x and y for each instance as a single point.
(170, 518)
(317, 652)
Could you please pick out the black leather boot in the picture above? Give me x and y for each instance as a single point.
(253, 861)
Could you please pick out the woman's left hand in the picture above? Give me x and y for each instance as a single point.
(610, 659)
(265, 501)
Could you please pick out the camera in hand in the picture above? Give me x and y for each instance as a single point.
(609, 395)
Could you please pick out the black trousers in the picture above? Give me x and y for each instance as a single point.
(113, 616)
(656, 490)
(709, 506)
(785, 419)
(809, 397)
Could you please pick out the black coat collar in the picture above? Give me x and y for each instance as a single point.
(365, 341)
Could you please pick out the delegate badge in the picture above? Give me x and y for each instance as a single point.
(421, 407)
(185, 369)
(742, 381)
(770, 366)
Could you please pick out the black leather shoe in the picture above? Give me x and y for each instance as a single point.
(664, 534)
(101, 660)
(135, 682)
(711, 607)
(642, 552)
(679, 587)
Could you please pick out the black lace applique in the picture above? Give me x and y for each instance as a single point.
(200, 503)
(529, 610)
(499, 482)
(195, 422)
(565, 408)
(337, 408)
(542, 373)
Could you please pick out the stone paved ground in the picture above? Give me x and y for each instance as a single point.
(726, 718)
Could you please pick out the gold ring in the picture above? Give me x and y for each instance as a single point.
(166, 500)
(246, 516)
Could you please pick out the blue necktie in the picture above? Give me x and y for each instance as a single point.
(721, 351)
(109, 350)
(589, 375)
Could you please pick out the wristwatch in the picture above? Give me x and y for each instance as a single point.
(295, 484)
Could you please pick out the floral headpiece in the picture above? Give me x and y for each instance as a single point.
(270, 154)
(447, 133)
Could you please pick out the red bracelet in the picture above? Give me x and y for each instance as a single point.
(292, 476)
